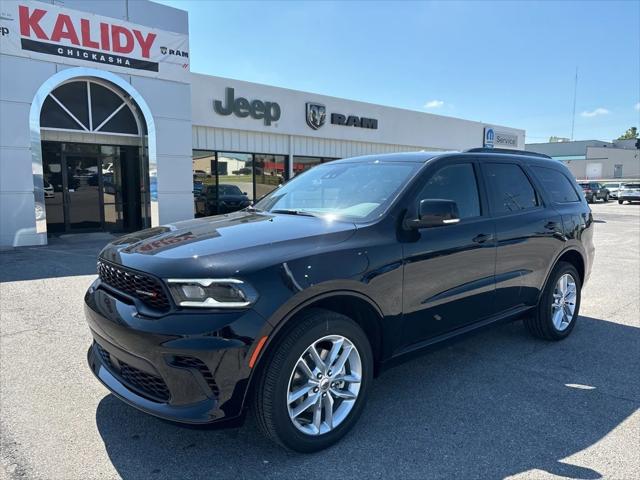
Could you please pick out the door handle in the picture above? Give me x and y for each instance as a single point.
(481, 238)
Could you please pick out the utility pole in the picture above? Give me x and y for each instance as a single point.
(575, 93)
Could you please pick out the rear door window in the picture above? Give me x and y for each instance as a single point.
(509, 188)
(458, 183)
(560, 188)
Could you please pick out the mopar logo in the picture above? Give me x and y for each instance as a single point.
(488, 137)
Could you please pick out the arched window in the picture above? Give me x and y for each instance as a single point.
(87, 106)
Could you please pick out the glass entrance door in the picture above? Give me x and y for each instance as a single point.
(83, 201)
(91, 187)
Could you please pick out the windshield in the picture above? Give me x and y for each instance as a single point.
(354, 191)
(631, 186)
(611, 185)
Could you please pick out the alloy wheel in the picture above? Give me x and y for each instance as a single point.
(324, 385)
(563, 305)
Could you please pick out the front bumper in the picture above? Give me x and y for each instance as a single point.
(629, 198)
(189, 367)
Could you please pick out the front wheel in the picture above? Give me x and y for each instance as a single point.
(620, 202)
(315, 383)
(606, 197)
(557, 311)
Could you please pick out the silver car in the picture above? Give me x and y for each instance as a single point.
(613, 188)
(630, 192)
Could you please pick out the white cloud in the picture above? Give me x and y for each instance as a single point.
(638, 106)
(434, 104)
(595, 113)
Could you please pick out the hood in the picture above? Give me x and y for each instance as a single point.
(228, 244)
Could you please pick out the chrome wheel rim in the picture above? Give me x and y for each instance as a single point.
(563, 304)
(324, 385)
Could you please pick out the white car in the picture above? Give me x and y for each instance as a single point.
(613, 188)
(630, 192)
(48, 190)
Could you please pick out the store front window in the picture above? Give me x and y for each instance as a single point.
(224, 182)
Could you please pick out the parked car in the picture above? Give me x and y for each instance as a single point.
(48, 190)
(198, 186)
(291, 307)
(594, 191)
(221, 199)
(630, 192)
(613, 188)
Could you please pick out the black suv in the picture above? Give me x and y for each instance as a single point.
(594, 191)
(291, 307)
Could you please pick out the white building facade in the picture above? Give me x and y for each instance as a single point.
(104, 127)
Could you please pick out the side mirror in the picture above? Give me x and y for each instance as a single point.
(436, 213)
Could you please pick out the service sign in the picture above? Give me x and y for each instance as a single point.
(48, 32)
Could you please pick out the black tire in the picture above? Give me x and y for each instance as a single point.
(270, 395)
(606, 198)
(620, 202)
(540, 323)
(590, 199)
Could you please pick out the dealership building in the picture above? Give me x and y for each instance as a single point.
(103, 127)
(595, 159)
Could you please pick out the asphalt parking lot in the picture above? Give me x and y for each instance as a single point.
(496, 405)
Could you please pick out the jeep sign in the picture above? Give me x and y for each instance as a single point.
(241, 107)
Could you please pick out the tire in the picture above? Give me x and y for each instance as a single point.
(620, 202)
(589, 199)
(541, 324)
(276, 416)
(606, 198)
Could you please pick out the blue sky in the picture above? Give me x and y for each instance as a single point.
(510, 63)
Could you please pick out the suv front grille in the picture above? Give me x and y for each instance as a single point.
(147, 384)
(144, 287)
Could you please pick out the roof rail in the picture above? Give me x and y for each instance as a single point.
(506, 150)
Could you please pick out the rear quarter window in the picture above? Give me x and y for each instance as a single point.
(509, 188)
(558, 186)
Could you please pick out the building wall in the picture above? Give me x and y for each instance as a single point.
(600, 164)
(398, 128)
(169, 102)
(225, 139)
(565, 149)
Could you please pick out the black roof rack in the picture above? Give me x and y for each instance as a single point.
(506, 150)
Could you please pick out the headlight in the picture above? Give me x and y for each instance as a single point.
(211, 292)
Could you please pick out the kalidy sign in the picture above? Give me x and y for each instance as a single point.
(47, 32)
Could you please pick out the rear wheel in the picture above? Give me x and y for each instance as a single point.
(606, 197)
(557, 310)
(315, 382)
(620, 202)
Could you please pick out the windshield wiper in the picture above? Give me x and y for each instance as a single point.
(291, 211)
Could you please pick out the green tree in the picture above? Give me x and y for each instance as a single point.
(629, 134)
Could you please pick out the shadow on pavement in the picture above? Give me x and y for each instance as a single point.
(490, 406)
(65, 256)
